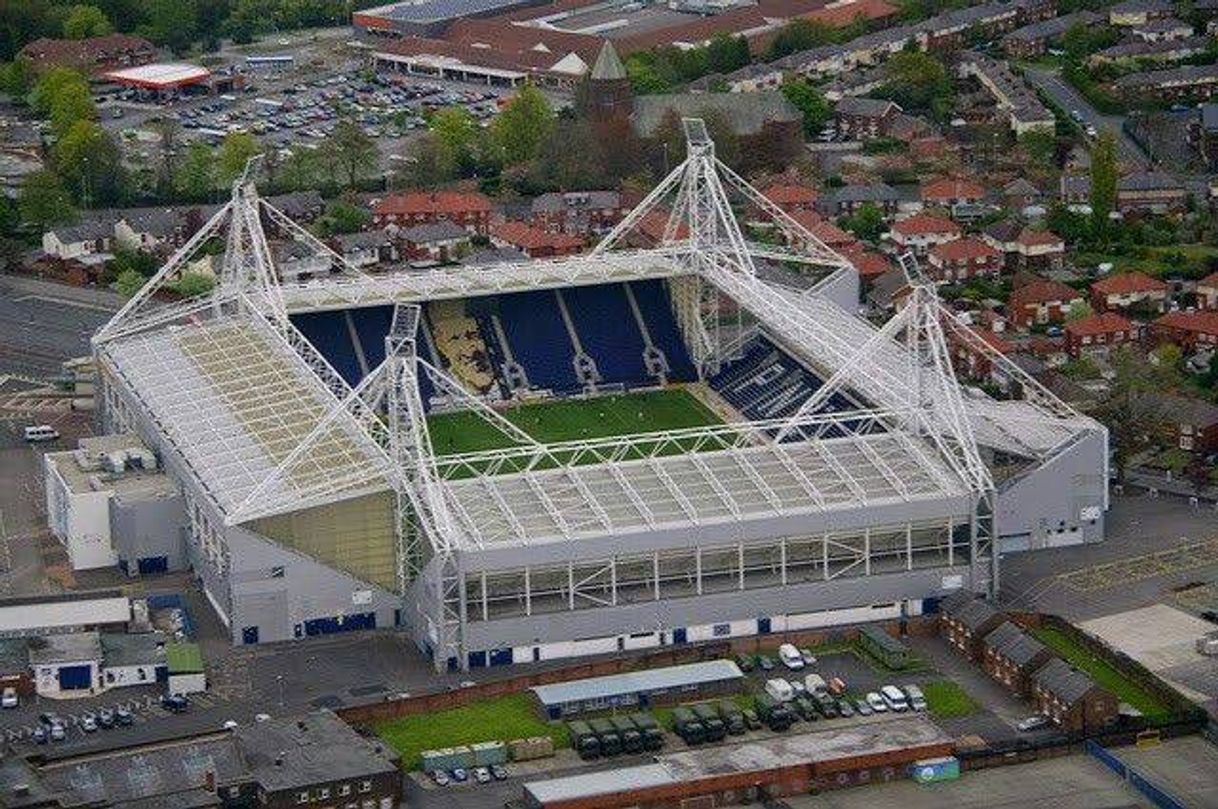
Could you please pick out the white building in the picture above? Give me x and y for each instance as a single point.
(66, 665)
(88, 242)
(132, 659)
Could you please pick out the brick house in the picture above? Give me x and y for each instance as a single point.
(442, 241)
(848, 199)
(1151, 192)
(581, 213)
(1098, 334)
(791, 198)
(469, 210)
(832, 235)
(1041, 301)
(947, 192)
(920, 232)
(1207, 292)
(1128, 289)
(91, 55)
(1039, 250)
(965, 620)
(1011, 656)
(1130, 13)
(863, 118)
(869, 264)
(972, 362)
(1071, 699)
(1194, 422)
(1189, 330)
(534, 242)
(963, 259)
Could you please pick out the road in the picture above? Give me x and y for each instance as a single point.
(1067, 98)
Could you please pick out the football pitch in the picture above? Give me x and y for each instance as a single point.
(573, 420)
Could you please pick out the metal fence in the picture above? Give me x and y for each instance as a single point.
(1157, 795)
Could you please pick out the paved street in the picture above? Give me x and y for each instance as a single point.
(1069, 99)
(42, 324)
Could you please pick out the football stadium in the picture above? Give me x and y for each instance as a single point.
(687, 433)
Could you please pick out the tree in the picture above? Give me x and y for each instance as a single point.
(145, 264)
(517, 133)
(171, 23)
(352, 150)
(726, 53)
(867, 222)
(167, 168)
(193, 284)
(128, 283)
(235, 151)
(811, 104)
(17, 78)
(1040, 146)
(1129, 411)
(86, 21)
(43, 202)
(457, 136)
(1079, 310)
(63, 97)
(917, 80)
(89, 161)
(196, 178)
(799, 35)
(344, 216)
(1103, 181)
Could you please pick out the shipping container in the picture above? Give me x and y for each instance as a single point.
(488, 753)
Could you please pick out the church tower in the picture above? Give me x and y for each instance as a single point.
(608, 90)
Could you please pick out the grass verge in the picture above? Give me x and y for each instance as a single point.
(947, 700)
(1101, 671)
(502, 718)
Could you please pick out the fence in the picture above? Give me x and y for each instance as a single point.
(1158, 796)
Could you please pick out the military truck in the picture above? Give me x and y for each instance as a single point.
(584, 740)
(775, 714)
(708, 715)
(653, 737)
(733, 717)
(687, 726)
(632, 739)
(611, 741)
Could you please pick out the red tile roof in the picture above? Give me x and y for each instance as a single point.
(809, 219)
(966, 249)
(85, 51)
(842, 14)
(924, 223)
(832, 235)
(1128, 282)
(780, 194)
(1210, 280)
(869, 264)
(433, 202)
(1204, 322)
(1043, 291)
(1038, 238)
(527, 237)
(952, 188)
(1106, 323)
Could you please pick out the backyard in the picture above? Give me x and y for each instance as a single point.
(1101, 671)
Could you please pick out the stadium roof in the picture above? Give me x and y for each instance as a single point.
(634, 682)
(160, 76)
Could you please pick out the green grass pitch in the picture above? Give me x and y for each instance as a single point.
(573, 420)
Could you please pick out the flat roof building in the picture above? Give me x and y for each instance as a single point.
(650, 686)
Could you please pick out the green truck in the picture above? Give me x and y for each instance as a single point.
(584, 740)
(632, 739)
(685, 722)
(708, 715)
(775, 714)
(733, 717)
(611, 741)
(653, 737)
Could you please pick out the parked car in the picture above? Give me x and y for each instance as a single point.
(9, 698)
(790, 657)
(58, 733)
(459, 775)
(862, 707)
(499, 772)
(745, 663)
(123, 716)
(917, 700)
(441, 778)
(894, 698)
(1032, 723)
(88, 723)
(175, 703)
(482, 775)
(809, 658)
(39, 735)
(751, 720)
(845, 708)
(876, 702)
(105, 718)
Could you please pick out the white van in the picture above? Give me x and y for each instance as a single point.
(780, 690)
(790, 656)
(42, 432)
(917, 700)
(894, 698)
(815, 684)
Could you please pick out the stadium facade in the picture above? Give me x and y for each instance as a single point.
(846, 475)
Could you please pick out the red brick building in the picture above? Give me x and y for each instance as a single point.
(948, 191)
(469, 210)
(971, 361)
(581, 213)
(1071, 699)
(91, 55)
(1011, 656)
(920, 232)
(1207, 292)
(1099, 334)
(792, 198)
(965, 620)
(1193, 422)
(963, 259)
(1189, 330)
(534, 242)
(1042, 301)
(1127, 289)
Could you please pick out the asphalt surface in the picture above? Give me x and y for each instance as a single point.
(1070, 99)
(43, 324)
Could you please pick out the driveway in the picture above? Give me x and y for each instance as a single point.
(1067, 98)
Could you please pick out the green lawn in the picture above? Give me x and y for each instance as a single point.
(576, 419)
(946, 700)
(502, 718)
(1101, 671)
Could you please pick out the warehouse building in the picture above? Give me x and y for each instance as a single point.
(644, 688)
(24, 616)
(66, 664)
(759, 770)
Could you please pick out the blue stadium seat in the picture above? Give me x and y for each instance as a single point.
(539, 340)
(372, 325)
(328, 333)
(609, 332)
(656, 309)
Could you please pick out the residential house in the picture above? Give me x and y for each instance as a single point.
(869, 264)
(948, 192)
(1071, 699)
(791, 198)
(1131, 52)
(973, 361)
(1012, 95)
(534, 242)
(580, 213)
(470, 210)
(863, 118)
(1074, 189)
(1203, 134)
(91, 55)
(1041, 301)
(366, 248)
(848, 199)
(152, 230)
(1011, 656)
(920, 232)
(1020, 193)
(888, 290)
(1163, 29)
(441, 241)
(965, 620)
(1025, 248)
(297, 261)
(1033, 40)
(299, 206)
(1207, 292)
(963, 259)
(832, 236)
(1187, 82)
(88, 242)
(1132, 13)
(1099, 334)
(1194, 421)
(1128, 290)
(1189, 330)
(1154, 192)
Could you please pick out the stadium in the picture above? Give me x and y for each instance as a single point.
(685, 434)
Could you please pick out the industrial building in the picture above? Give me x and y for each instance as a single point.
(846, 476)
(645, 688)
